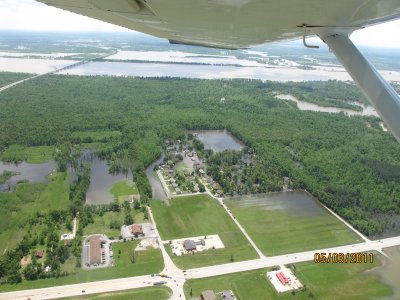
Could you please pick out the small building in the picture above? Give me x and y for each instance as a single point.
(282, 278)
(137, 230)
(94, 250)
(189, 245)
(39, 254)
(208, 295)
(227, 295)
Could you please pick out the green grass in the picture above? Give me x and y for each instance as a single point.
(101, 224)
(324, 281)
(95, 136)
(32, 155)
(197, 216)
(16, 207)
(123, 188)
(151, 293)
(278, 232)
(147, 262)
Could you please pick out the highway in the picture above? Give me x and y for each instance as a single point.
(178, 277)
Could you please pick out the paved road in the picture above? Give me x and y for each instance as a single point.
(179, 277)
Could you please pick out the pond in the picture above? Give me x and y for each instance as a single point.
(101, 180)
(26, 171)
(218, 140)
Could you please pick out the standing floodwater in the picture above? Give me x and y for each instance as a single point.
(218, 140)
(25, 171)
(157, 190)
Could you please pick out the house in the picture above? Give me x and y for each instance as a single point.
(208, 295)
(95, 250)
(227, 295)
(137, 230)
(189, 245)
(39, 254)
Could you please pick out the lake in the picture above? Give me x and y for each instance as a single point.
(218, 140)
(31, 172)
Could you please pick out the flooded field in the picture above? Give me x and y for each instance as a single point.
(288, 222)
(31, 172)
(218, 140)
(302, 105)
(389, 273)
(34, 66)
(156, 186)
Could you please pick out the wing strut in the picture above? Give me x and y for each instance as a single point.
(380, 93)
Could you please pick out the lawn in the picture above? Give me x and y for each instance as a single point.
(16, 207)
(123, 188)
(322, 281)
(32, 155)
(196, 216)
(101, 224)
(147, 262)
(151, 293)
(279, 230)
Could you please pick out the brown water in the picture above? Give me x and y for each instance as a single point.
(26, 171)
(156, 186)
(389, 273)
(294, 202)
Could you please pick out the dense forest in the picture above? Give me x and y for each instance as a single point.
(348, 163)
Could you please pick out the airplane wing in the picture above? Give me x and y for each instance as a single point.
(243, 23)
(232, 23)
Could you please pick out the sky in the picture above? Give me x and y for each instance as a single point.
(32, 15)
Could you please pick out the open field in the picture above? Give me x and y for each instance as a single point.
(151, 293)
(16, 207)
(147, 262)
(123, 189)
(291, 224)
(32, 155)
(321, 281)
(197, 216)
(101, 224)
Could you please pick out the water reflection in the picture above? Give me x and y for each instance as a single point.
(101, 180)
(26, 171)
(298, 203)
(156, 187)
(218, 140)
(302, 105)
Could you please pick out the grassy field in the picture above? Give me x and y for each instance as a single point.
(101, 224)
(33, 155)
(322, 281)
(95, 136)
(151, 293)
(122, 189)
(147, 262)
(277, 231)
(197, 216)
(28, 198)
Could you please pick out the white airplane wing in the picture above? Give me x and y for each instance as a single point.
(244, 23)
(232, 23)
